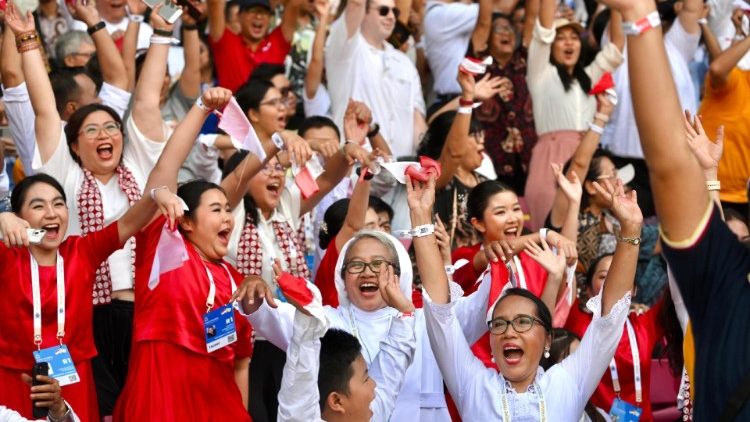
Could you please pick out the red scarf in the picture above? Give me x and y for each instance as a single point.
(250, 249)
(91, 214)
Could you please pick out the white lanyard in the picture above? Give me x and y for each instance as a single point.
(636, 366)
(519, 275)
(212, 286)
(506, 406)
(37, 300)
(355, 331)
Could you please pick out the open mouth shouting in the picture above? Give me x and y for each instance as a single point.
(52, 231)
(105, 151)
(224, 236)
(369, 288)
(512, 354)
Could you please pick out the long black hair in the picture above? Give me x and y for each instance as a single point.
(579, 72)
(192, 191)
(433, 141)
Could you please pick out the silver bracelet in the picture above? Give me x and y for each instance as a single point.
(278, 141)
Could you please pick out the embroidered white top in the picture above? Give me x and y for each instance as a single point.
(566, 387)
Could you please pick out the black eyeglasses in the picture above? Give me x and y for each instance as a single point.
(356, 267)
(383, 11)
(521, 324)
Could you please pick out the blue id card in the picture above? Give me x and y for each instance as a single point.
(623, 411)
(60, 363)
(219, 327)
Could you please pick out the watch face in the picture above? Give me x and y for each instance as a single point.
(636, 241)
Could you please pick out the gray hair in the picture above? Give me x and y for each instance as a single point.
(69, 43)
(383, 239)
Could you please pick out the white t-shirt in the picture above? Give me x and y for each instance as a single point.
(319, 104)
(621, 134)
(384, 79)
(288, 210)
(139, 155)
(447, 32)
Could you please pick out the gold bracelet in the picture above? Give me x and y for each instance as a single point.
(28, 46)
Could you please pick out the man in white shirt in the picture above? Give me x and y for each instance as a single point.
(448, 26)
(363, 66)
(681, 41)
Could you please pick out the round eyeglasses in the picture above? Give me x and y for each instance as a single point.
(521, 324)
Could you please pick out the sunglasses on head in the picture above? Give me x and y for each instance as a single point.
(383, 11)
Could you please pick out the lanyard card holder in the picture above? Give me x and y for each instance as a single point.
(623, 411)
(219, 327)
(60, 363)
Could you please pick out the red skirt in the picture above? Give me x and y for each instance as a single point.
(167, 382)
(14, 393)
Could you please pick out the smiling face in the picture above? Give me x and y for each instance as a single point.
(502, 38)
(210, 225)
(502, 219)
(517, 355)
(44, 208)
(99, 143)
(566, 49)
(473, 157)
(363, 289)
(266, 187)
(270, 116)
(375, 26)
(254, 23)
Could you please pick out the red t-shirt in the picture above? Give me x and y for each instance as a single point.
(647, 332)
(325, 278)
(466, 276)
(81, 256)
(173, 310)
(235, 61)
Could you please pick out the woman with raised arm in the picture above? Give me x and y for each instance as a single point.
(182, 279)
(709, 264)
(559, 85)
(520, 326)
(49, 281)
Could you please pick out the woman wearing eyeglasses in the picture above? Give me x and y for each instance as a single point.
(520, 328)
(268, 222)
(369, 315)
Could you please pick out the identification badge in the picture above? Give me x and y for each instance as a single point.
(623, 411)
(219, 327)
(60, 363)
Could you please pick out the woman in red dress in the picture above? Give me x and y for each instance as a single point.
(644, 327)
(56, 268)
(175, 372)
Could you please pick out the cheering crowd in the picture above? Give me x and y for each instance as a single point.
(386, 210)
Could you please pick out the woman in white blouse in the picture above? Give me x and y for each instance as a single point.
(520, 327)
(559, 85)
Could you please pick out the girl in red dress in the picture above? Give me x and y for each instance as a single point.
(172, 374)
(59, 267)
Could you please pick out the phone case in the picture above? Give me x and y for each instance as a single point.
(41, 368)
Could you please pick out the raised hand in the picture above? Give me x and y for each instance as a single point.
(624, 207)
(13, 230)
(466, 81)
(543, 255)
(420, 196)
(505, 89)
(16, 21)
(187, 18)
(356, 154)
(136, 7)
(357, 119)
(708, 153)
(498, 250)
(84, 11)
(486, 87)
(326, 147)
(570, 186)
(390, 288)
(216, 98)
(567, 246)
(158, 22)
(299, 150)
(604, 104)
(170, 205)
(322, 10)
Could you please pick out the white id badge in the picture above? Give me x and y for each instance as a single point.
(60, 363)
(219, 327)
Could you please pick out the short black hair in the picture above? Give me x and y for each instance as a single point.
(192, 191)
(377, 204)
(251, 94)
(480, 196)
(317, 122)
(435, 137)
(64, 86)
(266, 71)
(542, 312)
(338, 351)
(22, 188)
(75, 122)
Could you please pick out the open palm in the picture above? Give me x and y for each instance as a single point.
(16, 22)
(708, 153)
(623, 206)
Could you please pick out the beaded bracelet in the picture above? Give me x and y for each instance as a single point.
(28, 46)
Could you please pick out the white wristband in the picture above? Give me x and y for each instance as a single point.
(278, 141)
(136, 18)
(543, 234)
(154, 190)
(596, 128)
(199, 103)
(713, 185)
(423, 230)
(465, 110)
(652, 20)
(155, 39)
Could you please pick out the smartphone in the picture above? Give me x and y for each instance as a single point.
(35, 235)
(193, 11)
(41, 368)
(170, 11)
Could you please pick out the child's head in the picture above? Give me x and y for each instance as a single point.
(346, 389)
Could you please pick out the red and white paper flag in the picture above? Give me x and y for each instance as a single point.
(475, 66)
(234, 122)
(170, 255)
(306, 295)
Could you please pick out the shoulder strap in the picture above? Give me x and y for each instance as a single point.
(736, 401)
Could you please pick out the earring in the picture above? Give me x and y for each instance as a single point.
(546, 352)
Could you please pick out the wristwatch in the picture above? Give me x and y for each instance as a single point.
(635, 241)
(374, 130)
